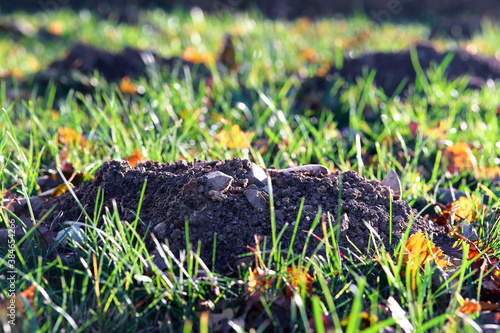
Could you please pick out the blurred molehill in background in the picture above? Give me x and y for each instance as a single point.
(379, 10)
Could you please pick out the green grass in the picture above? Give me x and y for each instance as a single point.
(172, 120)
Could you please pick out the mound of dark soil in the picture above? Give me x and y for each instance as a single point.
(76, 70)
(114, 66)
(230, 199)
(317, 93)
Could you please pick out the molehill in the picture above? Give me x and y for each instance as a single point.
(231, 198)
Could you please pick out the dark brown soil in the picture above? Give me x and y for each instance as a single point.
(392, 68)
(114, 66)
(179, 191)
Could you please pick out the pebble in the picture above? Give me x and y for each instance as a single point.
(160, 230)
(257, 175)
(218, 181)
(344, 222)
(72, 232)
(397, 219)
(255, 198)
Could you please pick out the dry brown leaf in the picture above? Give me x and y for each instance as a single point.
(391, 180)
(235, 138)
(127, 87)
(227, 57)
(488, 306)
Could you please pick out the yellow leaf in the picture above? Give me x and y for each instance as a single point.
(236, 138)
(61, 189)
(466, 208)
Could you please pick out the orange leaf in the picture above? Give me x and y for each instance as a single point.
(298, 278)
(489, 173)
(259, 280)
(459, 157)
(236, 138)
(56, 28)
(127, 87)
(418, 251)
(190, 54)
(68, 136)
(470, 306)
(136, 158)
(14, 308)
(309, 54)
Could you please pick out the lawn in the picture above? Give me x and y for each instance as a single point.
(97, 273)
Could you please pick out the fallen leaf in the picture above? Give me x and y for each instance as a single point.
(297, 278)
(488, 306)
(192, 55)
(391, 180)
(467, 208)
(60, 189)
(136, 158)
(488, 173)
(418, 251)
(309, 54)
(459, 157)
(470, 306)
(56, 28)
(68, 136)
(260, 279)
(127, 87)
(367, 320)
(227, 57)
(235, 138)
(13, 309)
